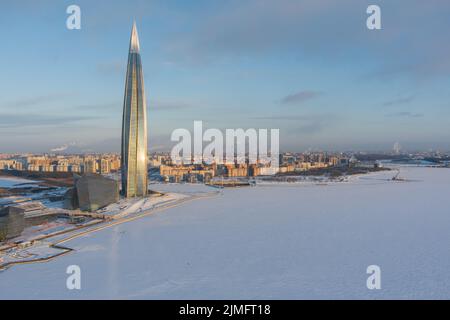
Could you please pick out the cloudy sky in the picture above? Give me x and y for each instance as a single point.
(310, 68)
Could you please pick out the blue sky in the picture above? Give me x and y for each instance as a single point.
(310, 68)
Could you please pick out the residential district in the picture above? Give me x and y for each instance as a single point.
(161, 164)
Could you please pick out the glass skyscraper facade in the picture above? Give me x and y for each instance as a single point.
(134, 125)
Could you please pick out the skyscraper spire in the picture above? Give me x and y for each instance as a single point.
(134, 39)
(134, 125)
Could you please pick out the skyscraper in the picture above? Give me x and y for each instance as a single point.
(134, 125)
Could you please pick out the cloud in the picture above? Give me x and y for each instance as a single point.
(327, 30)
(36, 100)
(405, 114)
(152, 105)
(111, 68)
(156, 142)
(158, 105)
(300, 97)
(398, 101)
(295, 117)
(101, 106)
(29, 120)
(258, 27)
(309, 128)
(306, 124)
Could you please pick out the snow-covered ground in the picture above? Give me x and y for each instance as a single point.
(273, 241)
(185, 188)
(127, 207)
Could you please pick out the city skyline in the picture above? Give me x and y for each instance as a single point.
(312, 70)
(275, 150)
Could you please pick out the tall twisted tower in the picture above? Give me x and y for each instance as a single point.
(134, 125)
